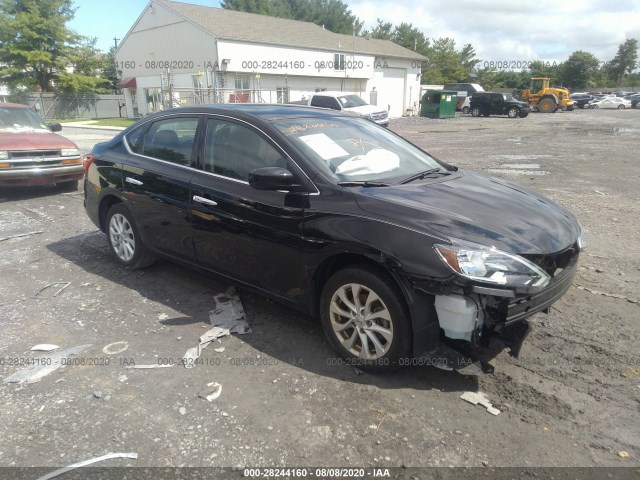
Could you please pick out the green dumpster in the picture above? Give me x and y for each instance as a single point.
(439, 104)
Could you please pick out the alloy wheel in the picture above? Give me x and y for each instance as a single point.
(361, 321)
(122, 238)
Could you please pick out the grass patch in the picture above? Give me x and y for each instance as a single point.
(115, 122)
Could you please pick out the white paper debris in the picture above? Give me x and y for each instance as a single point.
(212, 391)
(190, 356)
(219, 350)
(228, 317)
(39, 370)
(44, 347)
(108, 456)
(377, 160)
(479, 398)
(146, 367)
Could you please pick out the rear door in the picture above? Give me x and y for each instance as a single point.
(157, 182)
(253, 236)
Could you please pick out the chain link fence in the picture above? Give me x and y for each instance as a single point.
(63, 106)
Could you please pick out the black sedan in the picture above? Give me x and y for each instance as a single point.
(402, 256)
(581, 99)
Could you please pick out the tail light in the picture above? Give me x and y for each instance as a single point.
(87, 160)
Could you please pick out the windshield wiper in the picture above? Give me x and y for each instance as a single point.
(362, 183)
(422, 175)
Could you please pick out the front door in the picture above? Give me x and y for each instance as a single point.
(253, 236)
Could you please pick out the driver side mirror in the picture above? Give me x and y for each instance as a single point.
(55, 127)
(271, 178)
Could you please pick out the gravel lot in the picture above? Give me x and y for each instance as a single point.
(571, 399)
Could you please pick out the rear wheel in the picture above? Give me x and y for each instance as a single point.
(365, 319)
(513, 112)
(523, 114)
(546, 105)
(125, 240)
(595, 107)
(465, 110)
(620, 107)
(476, 112)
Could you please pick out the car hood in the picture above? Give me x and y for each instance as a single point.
(476, 208)
(33, 141)
(365, 109)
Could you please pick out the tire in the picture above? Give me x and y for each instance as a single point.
(485, 114)
(475, 112)
(546, 105)
(513, 112)
(465, 110)
(595, 107)
(621, 107)
(386, 333)
(523, 114)
(124, 239)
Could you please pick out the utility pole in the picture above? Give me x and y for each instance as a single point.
(115, 41)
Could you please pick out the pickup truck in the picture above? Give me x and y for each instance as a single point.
(349, 103)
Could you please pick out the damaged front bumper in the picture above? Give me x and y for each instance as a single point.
(475, 318)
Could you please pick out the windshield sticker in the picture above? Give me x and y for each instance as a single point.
(324, 146)
(301, 128)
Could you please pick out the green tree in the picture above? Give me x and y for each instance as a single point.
(624, 62)
(383, 31)
(446, 64)
(334, 15)
(35, 44)
(579, 71)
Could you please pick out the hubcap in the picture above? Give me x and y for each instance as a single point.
(361, 321)
(122, 239)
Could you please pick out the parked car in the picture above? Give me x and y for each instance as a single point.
(464, 91)
(490, 103)
(610, 102)
(466, 105)
(350, 103)
(634, 99)
(401, 255)
(31, 154)
(581, 99)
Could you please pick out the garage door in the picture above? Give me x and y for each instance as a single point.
(391, 91)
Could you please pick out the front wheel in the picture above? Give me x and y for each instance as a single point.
(523, 114)
(547, 105)
(512, 112)
(595, 107)
(476, 112)
(365, 319)
(125, 240)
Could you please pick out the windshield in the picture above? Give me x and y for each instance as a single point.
(352, 149)
(14, 119)
(349, 101)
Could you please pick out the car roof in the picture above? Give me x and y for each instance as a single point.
(263, 111)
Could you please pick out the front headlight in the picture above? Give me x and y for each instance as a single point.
(489, 265)
(4, 155)
(69, 152)
(582, 240)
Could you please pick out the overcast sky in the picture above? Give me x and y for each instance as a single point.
(507, 30)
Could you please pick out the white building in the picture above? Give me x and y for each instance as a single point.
(178, 53)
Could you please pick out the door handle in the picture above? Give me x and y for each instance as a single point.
(132, 181)
(204, 201)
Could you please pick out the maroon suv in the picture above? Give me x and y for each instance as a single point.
(31, 154)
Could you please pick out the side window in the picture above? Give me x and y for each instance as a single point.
(318, 101)
(234, 150)
(134, 138)
(171, 140)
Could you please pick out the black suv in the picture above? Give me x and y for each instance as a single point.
(581, 99)
(489, 103)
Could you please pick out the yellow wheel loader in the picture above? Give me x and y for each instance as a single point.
(545, 98)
